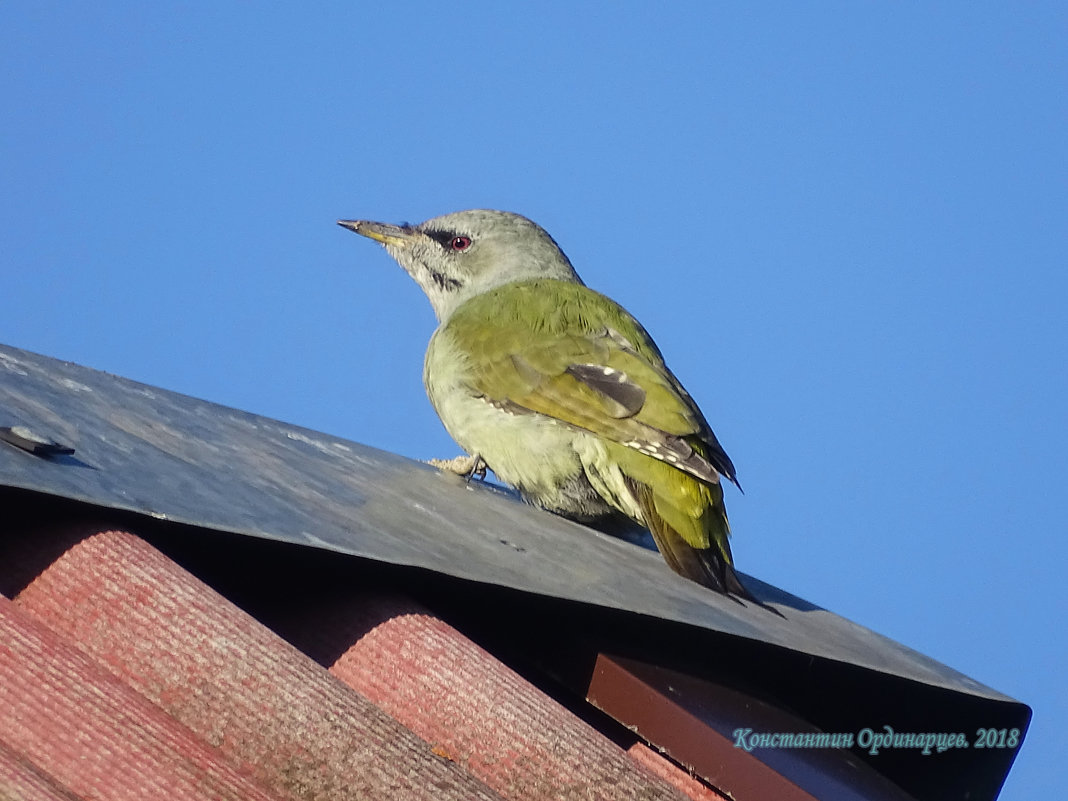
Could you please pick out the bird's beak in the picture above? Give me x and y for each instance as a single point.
(380, 232)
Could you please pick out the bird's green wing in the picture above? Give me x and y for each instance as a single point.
(562, 350)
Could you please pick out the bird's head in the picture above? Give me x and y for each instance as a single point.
(460, 255)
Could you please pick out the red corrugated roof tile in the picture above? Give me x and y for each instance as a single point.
(21, 780)
(231, 680)
(673, 774)
(272, 712)
(93, 733)
(481, 714)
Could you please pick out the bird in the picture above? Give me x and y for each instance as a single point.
(561, 392)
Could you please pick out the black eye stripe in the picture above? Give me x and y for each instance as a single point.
(445, 238)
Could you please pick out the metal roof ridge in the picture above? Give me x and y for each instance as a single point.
(173, 457)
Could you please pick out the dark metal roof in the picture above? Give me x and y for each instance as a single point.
(173, 457)
(565, 596)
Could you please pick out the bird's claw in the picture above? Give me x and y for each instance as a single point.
(467, 466)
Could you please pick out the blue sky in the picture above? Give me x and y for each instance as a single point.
(844, 223)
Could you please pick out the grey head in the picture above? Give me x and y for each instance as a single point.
(460, 255)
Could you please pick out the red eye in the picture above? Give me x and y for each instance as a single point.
(460, 242)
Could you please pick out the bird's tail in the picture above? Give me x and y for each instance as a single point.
(692, 536)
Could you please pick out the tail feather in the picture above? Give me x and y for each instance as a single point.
(711, 565)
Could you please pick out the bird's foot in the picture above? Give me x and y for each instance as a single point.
(467, 466)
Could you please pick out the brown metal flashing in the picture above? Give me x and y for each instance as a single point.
(685, 737)
(693, 722)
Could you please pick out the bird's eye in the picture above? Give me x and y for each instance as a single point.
(460, 243)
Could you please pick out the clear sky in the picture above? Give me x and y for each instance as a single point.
(844, 223)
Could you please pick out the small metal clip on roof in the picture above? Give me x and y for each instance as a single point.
(27, 440)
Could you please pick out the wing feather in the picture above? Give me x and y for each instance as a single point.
(596, 378)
